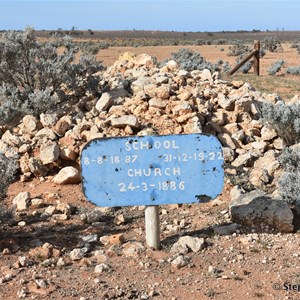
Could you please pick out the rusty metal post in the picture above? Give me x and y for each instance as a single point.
(256, 58)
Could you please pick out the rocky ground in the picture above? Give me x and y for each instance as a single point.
(239, 246)
(62, 247)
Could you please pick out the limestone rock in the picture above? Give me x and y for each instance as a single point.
(227, 141)
(256, 208)
(62, 125)
(138, 85)
(172, 65)
(31, 124)
(268, 134)
(22, 201)
(243, 160)
(267, 164)
(65, 208)
(193, 126)
(49, 152)
(180, 261)
(48, 120)
(46, 133)
(101, 268)
(36, 167)
(132, 249)
(226, 103)
(188, 243)
(205, 75)
(105, 102)
(158, 103)
(11, 139)
(123, 121)
(144, 60)
(77, 254)
(67, 175)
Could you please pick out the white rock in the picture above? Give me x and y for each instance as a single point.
(67, 175)
(123, 121)
(49, 152)
(61, 262)
(172, 65)
(105, 102)
(47, 133)
(186, 243)
(206, 75)
(77, 254)
(268, 134)
(22, 201)
(48, 120)
(11, 139)
(102, 268)
(180, 261)
(132, 249)
(31, 123)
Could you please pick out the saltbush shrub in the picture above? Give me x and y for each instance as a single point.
(35, 75)
(246, 67)
(289, 183)
(6, 215)
(276, 67)
(271, 44)
(285, 119)
(190, 60)
(296, 44)
(92, 47)
(293, 70)
(238, 49)
(8, 169)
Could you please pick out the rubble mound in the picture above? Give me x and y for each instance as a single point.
(141, 98)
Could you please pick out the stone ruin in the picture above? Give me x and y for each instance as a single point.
(140, 98)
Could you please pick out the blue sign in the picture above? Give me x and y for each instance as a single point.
(152, 170)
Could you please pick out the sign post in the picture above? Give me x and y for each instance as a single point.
(152, 170)
(152, 226)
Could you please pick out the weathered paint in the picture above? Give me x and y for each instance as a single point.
(152, 170)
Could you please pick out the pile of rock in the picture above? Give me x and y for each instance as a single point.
(140, 97)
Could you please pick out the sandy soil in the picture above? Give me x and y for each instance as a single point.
(246, 264)
(210, 52)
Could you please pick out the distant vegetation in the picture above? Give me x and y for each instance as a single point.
(191, 60)
(141, 38)
(276, 67)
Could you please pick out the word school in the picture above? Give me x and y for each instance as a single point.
(140, 145)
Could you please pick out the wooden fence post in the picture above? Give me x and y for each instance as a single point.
(255, 54)
(256, 58)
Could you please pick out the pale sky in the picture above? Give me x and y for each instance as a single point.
(178, 15)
